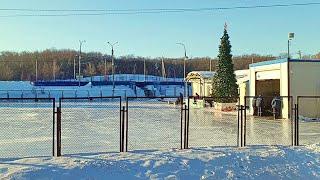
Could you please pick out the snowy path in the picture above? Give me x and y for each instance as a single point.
(256, 162)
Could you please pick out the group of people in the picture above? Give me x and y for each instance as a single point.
(258, 105)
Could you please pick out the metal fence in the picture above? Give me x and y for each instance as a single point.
(154, 123)
(26, 127)
(32, 127)
(308, 120)
(267, 125)
(216, 125)
(90, 125)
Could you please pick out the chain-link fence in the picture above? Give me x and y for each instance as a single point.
(212, 123)
(154, 123)
(269, 120)
(90, 125)
(26, 127)
(308, 119)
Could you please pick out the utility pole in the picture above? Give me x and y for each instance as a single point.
(112, 59)
(79, 74)
(36, 69)
(210, 64)
(184, 60)
(74, 68)
(54, 69)
(300, 54)
(163, 69)
(184, 66)
(105, 67)
(144, 70)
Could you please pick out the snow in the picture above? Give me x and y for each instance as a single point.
(255, 162)
(18, 89)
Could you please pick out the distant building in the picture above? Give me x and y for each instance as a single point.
(201, 82)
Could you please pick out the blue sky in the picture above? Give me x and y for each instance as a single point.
(261, 31)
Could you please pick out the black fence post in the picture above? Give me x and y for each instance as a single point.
(123, 127)
(188, 118)
(120, 128)
(181, 126)
(241, 126)
(297, 120)
(185, 127)
(58, 131)
(238, 126)
(126, 125)
(245, 125)
(53, 125)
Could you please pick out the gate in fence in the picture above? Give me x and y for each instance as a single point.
(216, 125)
(27, 127)
(89, 125)
(157, 122)
(267, 124)
(307, 120)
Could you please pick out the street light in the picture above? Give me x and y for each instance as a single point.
(79, 74)
(184, 66)
(112, 59)
(185, 58)
(290, 37)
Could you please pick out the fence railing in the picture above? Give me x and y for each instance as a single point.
(307, 120)
(27, 127)
(35, 127)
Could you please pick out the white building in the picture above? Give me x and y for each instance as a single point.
(201, 82)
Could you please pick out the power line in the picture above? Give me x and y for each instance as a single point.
(101, 12)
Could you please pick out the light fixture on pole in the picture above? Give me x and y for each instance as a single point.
(184, 66)
(79, 61)
(112, 59)
(290, 37)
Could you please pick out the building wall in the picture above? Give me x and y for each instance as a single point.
(202, 87)
(305, 81)
(195, 85)
(243, 91)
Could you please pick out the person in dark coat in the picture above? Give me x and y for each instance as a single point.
(276, 106)
(259, 104)
(254, 106)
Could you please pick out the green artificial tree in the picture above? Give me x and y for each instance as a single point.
(224, 81)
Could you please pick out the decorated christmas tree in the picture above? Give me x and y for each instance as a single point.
(224, 81)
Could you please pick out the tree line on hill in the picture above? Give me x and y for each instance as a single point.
(59, 64)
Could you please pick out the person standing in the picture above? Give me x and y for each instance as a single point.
(254, 106)
(276, 106)
(259, 104)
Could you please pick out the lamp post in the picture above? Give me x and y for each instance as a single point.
(290, 37)
(185, 58)
(184, 66)
(112, 62)
(79, 60)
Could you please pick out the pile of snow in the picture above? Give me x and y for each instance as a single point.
(258, 162)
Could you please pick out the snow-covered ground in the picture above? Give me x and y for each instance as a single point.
(255, 162)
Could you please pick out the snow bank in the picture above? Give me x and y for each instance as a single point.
(257, 162)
